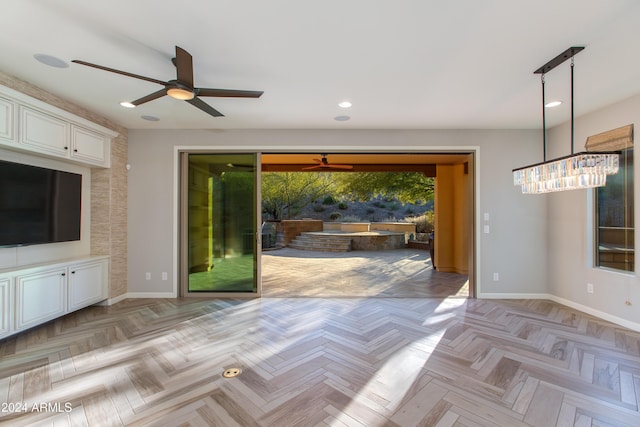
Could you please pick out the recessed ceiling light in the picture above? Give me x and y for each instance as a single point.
(552, 104)
(344, 104)
(341, 118)
(127, 104)
(51, 61)
(150, 118)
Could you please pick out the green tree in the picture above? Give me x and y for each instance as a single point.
(407, 187)
(284, 194)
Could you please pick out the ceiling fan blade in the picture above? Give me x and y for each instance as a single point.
(199, 103)
(150, 97)
(229, 93)
(308, 168)
(346, 167)
(124, 73)
(184, 66)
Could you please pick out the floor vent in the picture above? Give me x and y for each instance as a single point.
(232, 372)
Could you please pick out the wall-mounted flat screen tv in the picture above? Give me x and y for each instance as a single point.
(38, 205)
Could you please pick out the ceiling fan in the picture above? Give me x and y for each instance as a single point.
(323, 163)
(182, 87)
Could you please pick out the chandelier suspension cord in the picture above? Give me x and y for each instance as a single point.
(571, 102)
(544, 124)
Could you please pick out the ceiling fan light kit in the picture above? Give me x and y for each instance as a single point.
(180, 93)
(572, 172)
(182, 88)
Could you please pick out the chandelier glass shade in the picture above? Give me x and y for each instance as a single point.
(577, 171)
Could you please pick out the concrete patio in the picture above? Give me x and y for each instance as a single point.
(401, 273)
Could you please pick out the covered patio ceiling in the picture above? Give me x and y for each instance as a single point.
(363, 162)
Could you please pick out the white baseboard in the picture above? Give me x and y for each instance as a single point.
(585, 309)
(513, 296)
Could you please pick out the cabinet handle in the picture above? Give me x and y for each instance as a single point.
(75, 150)
(73, 272)
(66, 148)
(63, 274)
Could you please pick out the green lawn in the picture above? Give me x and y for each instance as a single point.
(228, 275)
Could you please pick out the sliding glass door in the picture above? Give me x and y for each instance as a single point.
(219, 223)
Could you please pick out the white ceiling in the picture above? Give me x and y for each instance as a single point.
(405, 64)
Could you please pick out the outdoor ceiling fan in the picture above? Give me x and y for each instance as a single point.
(323, 163)
(182, 87)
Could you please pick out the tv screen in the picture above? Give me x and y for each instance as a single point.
(38, 205)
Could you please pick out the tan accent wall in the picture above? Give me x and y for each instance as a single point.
(452, 218)
(108, 188)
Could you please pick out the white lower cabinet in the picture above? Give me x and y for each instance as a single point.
(43, 293)
(6, 326)
(87, 284)
(40, 297)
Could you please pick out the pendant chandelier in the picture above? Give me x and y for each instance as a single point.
(575, 171)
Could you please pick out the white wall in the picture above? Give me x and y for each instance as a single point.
(13, 257)
(515, 247)
(570, 228)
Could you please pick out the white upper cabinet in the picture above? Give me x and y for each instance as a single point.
(30, 125)
(7, 132)
(88, 146)
(43, 133)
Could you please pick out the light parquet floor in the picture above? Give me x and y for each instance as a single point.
(324, 362)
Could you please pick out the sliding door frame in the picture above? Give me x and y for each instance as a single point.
(182, 215)
(475, 275)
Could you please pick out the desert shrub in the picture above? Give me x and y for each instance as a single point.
(424, 222)
(329, 200)
(335, 216)
(342, 206)
(369, 211)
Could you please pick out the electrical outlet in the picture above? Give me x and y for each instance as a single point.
(486, 229)
(589, 288)
(147, 275)
(496, 277)
(164, 275)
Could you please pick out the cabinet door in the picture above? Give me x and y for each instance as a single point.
(40, 297)
(87, 284)
(87, 146)
(6, 121)
(43, 133)
(5, 307)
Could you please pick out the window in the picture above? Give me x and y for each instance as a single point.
(614, 218)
